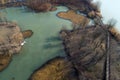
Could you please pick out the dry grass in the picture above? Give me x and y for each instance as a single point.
(57, 69)
(115, 33)
(4, 61)
(38, 6)
(10, 40)
(74, 17)
(27, 33)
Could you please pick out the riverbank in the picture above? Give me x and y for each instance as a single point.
(11, 39)
(41, 7)
(4, 61)
(55, 69)
(86, 7)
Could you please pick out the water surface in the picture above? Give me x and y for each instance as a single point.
(41, 47)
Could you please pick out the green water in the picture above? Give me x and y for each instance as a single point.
(41, 47)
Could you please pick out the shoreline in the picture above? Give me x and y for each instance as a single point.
(2, 69)
(47, 62)
(56, 62)
(9, 42)
(11, 39)
(46, 5)
(73, 17)
(44, 64)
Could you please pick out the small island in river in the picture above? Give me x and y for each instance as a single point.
(74, 17)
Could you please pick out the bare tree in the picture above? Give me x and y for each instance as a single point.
(111, 23)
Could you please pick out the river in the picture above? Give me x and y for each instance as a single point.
(44, 45)
(41, 47)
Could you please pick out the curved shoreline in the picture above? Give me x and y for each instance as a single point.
(11, 39)
(75, 18)
(80, 5)
(57, 63)
(47, 62)
(27, 33)
(6, 65)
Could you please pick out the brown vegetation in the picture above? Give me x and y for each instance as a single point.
(74, 17)
(38, 6)
(55, 69)
(115, 33)
(27, 33)
(113, 30)
(4, 61)
(93, 14)
(10, 41)
(85, 6)
(85, 48)
(10, 38)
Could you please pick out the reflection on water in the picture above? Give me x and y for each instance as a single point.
(42, 46)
